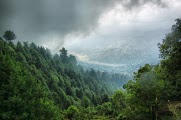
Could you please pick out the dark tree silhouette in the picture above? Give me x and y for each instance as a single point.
(63, 52)
(63, 55)
(9, 35)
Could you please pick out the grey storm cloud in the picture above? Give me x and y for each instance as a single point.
(119, 33)
(136, 3)
(33, 18)
(37, 17)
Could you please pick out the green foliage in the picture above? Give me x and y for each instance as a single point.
(37, 85)
(118, 101)
(105, 109)
(21, 96)
(170, 51)
(154, 89)
(171, 43)
(85, 101)
(71, 112)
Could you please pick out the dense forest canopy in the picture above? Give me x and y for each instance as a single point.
(38, 85)
(90, 60)
(34, 84)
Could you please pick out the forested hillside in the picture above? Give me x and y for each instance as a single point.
(38, 85)
(155, 91)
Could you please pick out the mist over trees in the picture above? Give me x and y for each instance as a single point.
(38, 85)
(34, 84)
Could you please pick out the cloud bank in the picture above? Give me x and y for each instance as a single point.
(33, 19)
(104, 31)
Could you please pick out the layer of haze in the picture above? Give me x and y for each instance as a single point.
(106, 32)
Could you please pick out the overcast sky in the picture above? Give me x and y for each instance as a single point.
(110, 32)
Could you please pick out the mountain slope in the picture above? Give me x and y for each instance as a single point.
(36, 85)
